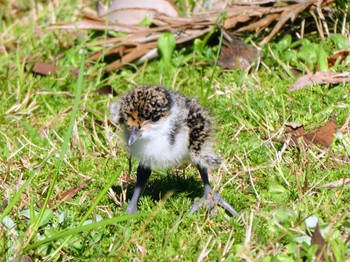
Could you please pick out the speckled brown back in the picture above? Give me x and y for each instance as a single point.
(199, 123)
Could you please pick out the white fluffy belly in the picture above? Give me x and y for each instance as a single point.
(158, 151)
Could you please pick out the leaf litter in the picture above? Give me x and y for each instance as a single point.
(335, 184)
(106, 90)
(320, 78)
(321, 243)
(322, 136)
(69, 194)
(236, 54)
(140, 41)
(47, 69)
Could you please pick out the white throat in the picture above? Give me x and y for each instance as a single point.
(157, 148)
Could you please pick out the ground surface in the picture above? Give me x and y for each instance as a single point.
(52, 141)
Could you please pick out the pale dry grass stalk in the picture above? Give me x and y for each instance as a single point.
(250, 176)
(206, 249)
(26, 107)
(229, 243)
(113, 196)
(249, 229)
(318, 25)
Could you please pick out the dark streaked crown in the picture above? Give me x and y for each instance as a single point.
(142, 103)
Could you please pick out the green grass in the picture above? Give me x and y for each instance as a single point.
(55, 134)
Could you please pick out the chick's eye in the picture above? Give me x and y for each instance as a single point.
(155, 118)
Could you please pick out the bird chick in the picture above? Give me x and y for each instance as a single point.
(162, 129)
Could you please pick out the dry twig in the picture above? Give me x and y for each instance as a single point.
(140, 40)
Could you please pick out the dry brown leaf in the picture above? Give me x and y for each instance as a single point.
(69, 194)
(45, 69)
(235, 14)
(338, 57)
(318, 239)
(236, 53)
(132, 12)
(98, 54)
(290, 13)
(260, 24)
(337, 183)
(106, 90)
(99, 25)
(139, 51)
(320, 78)
(242, 14)
(322, 136)
(257, 16)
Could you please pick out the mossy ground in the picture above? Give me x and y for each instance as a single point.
(274, 189)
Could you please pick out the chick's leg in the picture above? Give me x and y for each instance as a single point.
(210, 198)
(143, 173)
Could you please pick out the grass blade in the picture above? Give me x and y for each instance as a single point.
(64, 149)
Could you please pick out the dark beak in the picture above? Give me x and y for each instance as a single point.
(135, 134)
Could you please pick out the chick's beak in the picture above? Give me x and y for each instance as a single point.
(135, 134)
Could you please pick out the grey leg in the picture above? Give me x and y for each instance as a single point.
(210, 198)
(143, 173)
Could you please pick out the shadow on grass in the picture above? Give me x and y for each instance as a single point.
(160, 184)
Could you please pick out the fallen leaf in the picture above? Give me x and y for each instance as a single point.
(106, 90)
(320, 78)
(75, 71)
(338, 57)
(236, 53)
(69, 194)
(137, 40)
(260, 24)
(99, 25)
(135, 53)
(337, 183)
(132, 12)
(290, 13)
(318, 239)
(45, 69)
(322, 136)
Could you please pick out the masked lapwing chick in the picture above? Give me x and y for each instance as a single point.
(162, 129)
